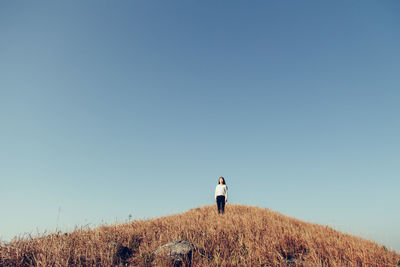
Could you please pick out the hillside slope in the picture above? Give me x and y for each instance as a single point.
(243, 236)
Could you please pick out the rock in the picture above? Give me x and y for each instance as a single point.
(178, 252)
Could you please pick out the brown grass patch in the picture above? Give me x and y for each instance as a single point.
(243, 236)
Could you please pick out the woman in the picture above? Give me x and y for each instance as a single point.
(221, 195)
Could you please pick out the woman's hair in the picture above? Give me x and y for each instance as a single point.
(223, 180)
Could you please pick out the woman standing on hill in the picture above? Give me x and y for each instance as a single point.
(221, 195)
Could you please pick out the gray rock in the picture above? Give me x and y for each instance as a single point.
(178, 252)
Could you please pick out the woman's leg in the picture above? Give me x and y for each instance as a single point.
(223, 204)
(219, 203)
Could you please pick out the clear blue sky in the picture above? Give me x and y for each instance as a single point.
(111, 108)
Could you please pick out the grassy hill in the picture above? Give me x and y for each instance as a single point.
(243, 236)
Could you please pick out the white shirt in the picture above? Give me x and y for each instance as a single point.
(221, 190)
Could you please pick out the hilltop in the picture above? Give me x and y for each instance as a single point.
(243, 236)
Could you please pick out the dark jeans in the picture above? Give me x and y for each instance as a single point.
(221, 204)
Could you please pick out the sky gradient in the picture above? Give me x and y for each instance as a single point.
(111, 108)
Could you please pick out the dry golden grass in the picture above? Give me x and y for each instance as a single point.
(243, 236)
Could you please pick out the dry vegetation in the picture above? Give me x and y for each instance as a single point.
(243, 236)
